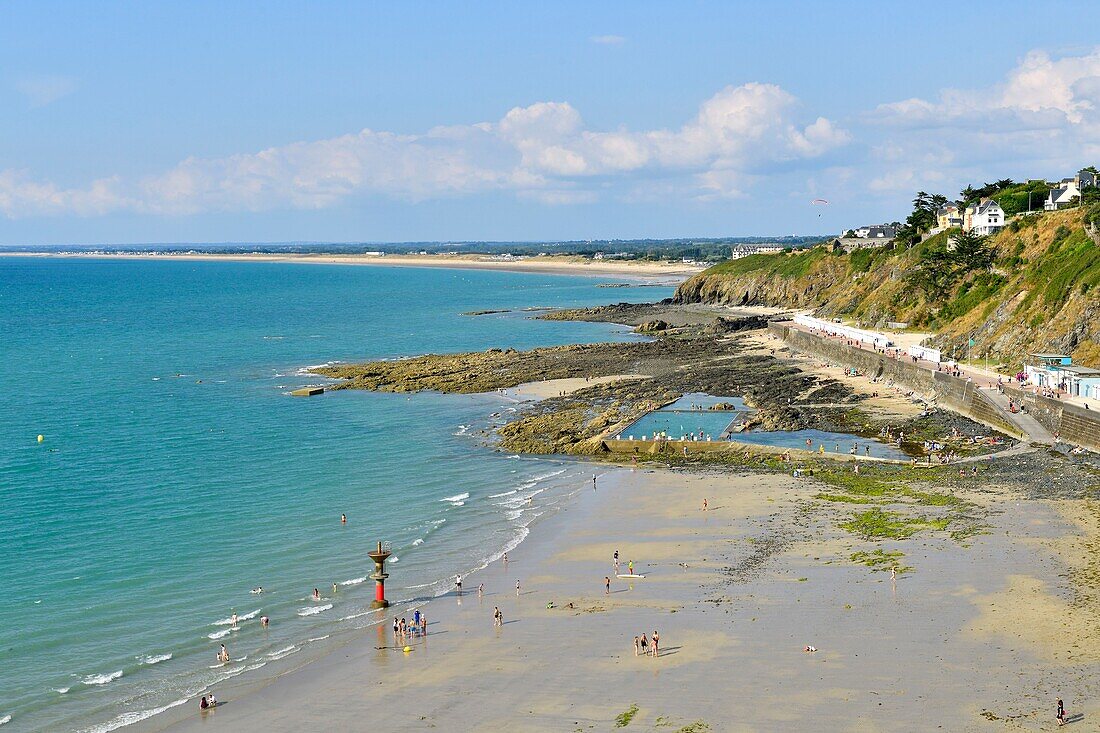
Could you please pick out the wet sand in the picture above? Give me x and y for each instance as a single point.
(978, 637)
(553, 387)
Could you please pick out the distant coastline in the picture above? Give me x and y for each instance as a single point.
(673, 272)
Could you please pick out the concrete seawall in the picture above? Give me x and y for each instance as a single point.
(1072, 423)
(958, 395)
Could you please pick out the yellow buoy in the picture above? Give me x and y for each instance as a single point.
(41, 438)
(407, 649)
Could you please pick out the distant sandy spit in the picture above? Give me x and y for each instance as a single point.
(561, 265)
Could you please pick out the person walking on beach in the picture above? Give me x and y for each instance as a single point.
(423, 625)
(517, 586)
(498, 617)
(480, 589)
(1061, 714)
(630, 567)
(396, 628)
(637, 646)
(704, 503)
(645, 645)
(606, 585)
(458, 584)
(656, 641)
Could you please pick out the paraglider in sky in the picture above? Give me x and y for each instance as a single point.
(819, 202)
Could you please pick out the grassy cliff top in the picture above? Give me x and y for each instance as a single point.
(1031, 286)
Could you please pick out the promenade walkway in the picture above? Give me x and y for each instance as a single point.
(984, 379)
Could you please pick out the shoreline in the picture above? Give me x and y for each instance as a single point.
(550, 265)
(753, 588)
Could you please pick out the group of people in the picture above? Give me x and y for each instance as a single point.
(403, 629)
(646, 646)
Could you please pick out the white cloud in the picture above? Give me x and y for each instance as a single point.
(1041, 119)
(1040, 93)
(43, 90)
(608, 40)
(541, 152)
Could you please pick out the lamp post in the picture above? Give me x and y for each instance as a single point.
(379, 575)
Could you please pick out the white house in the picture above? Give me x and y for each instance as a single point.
(744, 250)
(984, 217)
(1067, 193)
(876, 231)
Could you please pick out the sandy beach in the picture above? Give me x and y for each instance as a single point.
(656, 272)
(981, 635)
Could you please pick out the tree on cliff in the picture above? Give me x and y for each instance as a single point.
(972, 252)
(939, 268)
(922, 219)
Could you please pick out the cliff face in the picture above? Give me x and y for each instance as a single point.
(1042, 291)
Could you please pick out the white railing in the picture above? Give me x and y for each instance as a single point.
(878, 340)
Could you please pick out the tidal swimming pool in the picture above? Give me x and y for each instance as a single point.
(691, 415)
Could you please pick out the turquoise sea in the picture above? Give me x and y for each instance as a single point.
(175, 473)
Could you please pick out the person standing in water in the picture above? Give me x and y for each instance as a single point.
(343, 519)
(316, 594)
(233, 620)
(458, 584)
(335, 589)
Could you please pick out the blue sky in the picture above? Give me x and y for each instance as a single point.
(211, 122)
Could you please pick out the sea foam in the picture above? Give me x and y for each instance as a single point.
(101, 679)
(314, 610)
(155, 658)
(130, 718)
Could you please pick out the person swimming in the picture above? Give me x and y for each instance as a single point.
(258, 589)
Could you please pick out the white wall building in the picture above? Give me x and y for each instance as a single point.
(984, 217)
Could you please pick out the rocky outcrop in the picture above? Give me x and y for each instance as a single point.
(654, 326)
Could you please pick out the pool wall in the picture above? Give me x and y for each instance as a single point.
(676, 448)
